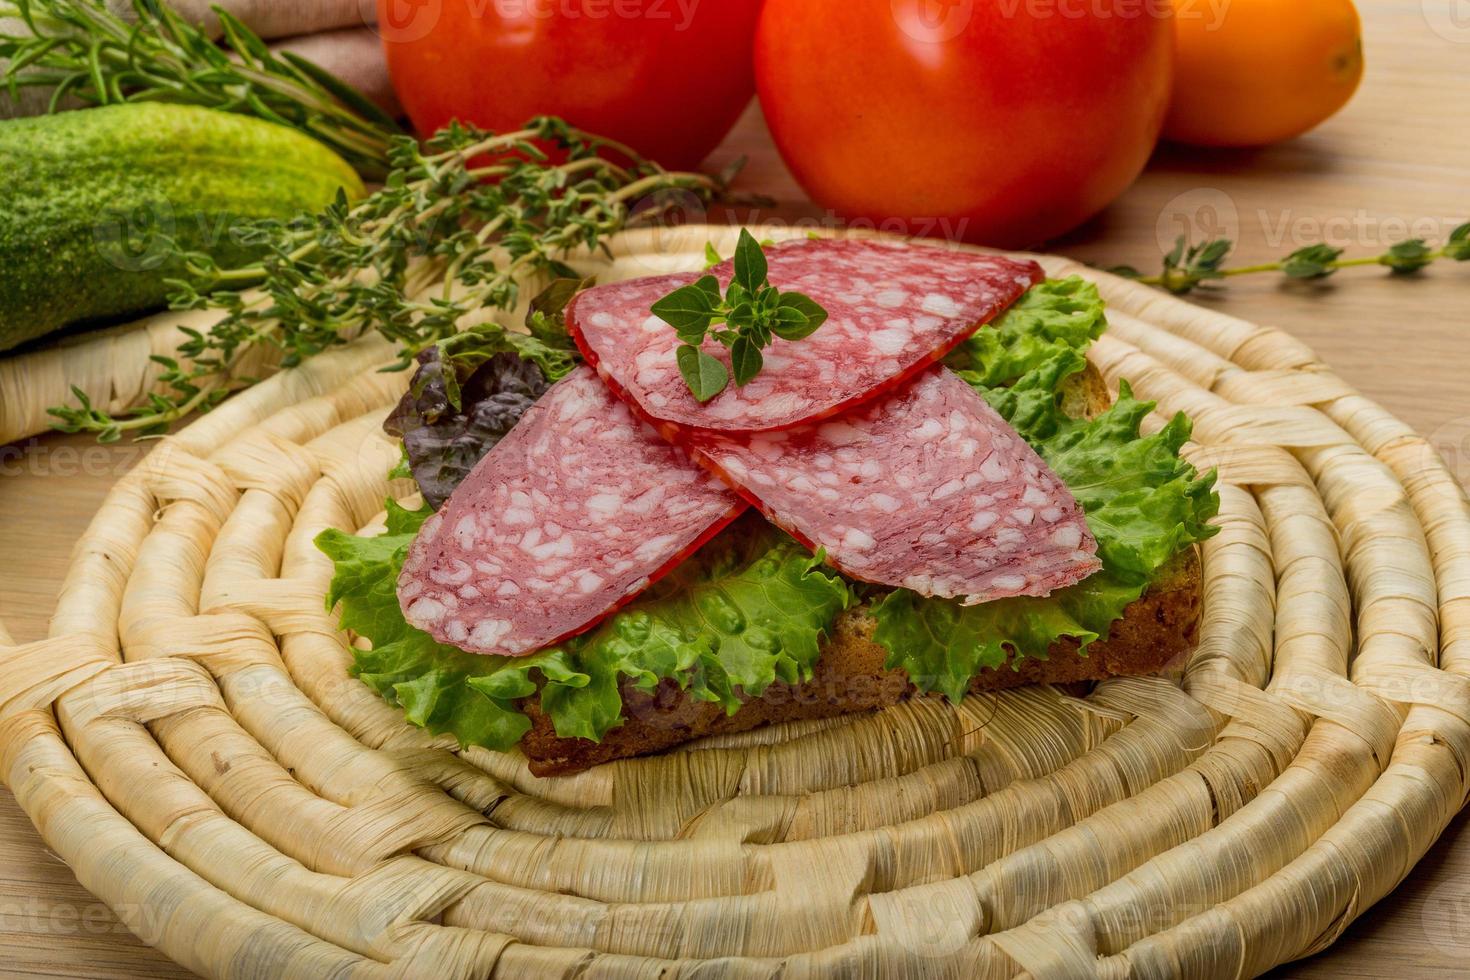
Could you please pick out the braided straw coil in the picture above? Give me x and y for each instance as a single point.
(112, 367)
(188, 738)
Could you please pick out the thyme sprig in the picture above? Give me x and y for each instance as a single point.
(459, 225)
(1187, 267)
(79, 49)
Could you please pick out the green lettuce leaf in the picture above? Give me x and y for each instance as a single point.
(1051, 318)
(944, 645)
(1143, 502)
(748, 610)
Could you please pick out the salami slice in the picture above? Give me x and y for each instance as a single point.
(928, 489)
(572, 514)
(893, 309)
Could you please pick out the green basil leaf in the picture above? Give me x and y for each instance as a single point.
(746, 359)
(705, 376)
(750, 263)
(688, 310)
(710, 285)
(797, 316)
(736, 295)
(743, 315)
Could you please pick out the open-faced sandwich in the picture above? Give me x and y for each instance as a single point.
(915, 485)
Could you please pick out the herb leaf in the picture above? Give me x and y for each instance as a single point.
(689, 310)
(745, 358)
(750, 262)
(797, 316)
(751, 312)
(1312, 262)
(1458, 246)
(1409, 256)
(705, 376)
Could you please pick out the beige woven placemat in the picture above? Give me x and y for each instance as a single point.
(189, 741)
(112, 366)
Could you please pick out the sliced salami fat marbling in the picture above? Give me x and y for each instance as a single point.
(575, 512)
(893, 309)
(928, 489)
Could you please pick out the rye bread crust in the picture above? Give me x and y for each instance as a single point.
(850, 677)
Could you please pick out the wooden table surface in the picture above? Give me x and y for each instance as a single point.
(1395, 163)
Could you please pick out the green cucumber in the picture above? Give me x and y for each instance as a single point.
(89, 199)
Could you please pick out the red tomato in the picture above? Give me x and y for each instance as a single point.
(667, 77)
(1005, 122)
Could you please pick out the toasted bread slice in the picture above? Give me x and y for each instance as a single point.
(850, 675)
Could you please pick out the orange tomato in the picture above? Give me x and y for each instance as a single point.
(1252, 72)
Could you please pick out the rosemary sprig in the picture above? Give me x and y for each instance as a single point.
(460, 223)
(1189, 267)
(79, 49)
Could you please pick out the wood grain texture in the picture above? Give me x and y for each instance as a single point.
(1400, 154)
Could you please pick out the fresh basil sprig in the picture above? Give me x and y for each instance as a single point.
(750, 313)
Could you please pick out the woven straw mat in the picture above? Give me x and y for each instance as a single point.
(189, 741)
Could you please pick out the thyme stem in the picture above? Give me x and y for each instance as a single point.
(1188, 267)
